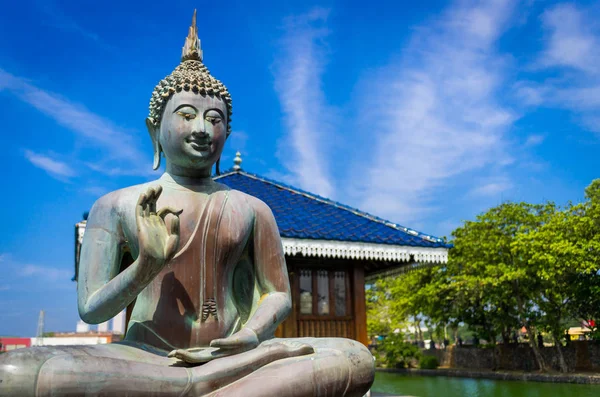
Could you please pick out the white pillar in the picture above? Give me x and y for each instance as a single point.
(118, 325)
(82, 327)
(103, 327)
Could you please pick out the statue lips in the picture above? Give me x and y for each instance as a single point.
(198, 143)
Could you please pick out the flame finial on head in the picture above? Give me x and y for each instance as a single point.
(191, 49)
(191, 75)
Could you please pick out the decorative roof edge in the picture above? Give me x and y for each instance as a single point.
(358, 250)
(347, 250)
(409, 231)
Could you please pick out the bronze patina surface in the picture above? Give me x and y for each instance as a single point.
(209, 280)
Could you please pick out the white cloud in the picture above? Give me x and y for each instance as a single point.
(570, 39)
(25, 270)
(238, 141)
(491, 189)
(298, 83)
(438, 113)
(534, 140)
(95, 190)
(57, 18)
(115, 143)
(48, 273)
(55, 168)
(571, 49)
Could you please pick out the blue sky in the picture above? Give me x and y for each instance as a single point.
(422, 114)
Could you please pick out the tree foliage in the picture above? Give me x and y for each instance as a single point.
(396, 353)
(517, 265)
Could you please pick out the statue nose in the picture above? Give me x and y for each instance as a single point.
(198, 127)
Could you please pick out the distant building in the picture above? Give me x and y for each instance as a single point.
(103, 327)
(118, 323)
(73, 338)
(82, 327)
(60, 339)
(7, 344)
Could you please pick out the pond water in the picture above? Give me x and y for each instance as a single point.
(432, 386)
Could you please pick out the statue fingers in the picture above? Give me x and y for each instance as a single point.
(179, 354)
(163, 212)
(227, 343)
(174, 229)
(152, 201)
(147, 195)
(171, 247)
(195, 357)
(139, 207)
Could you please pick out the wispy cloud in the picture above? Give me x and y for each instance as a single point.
(57, 18)
(572, 51)
(438, 111)
(534, 140)
(238, 141)
(298, 82)
(48, 273)
(25, 270)
(95, 190)
(491, 188)
(115, 144)
(571, 40)
(53, 167)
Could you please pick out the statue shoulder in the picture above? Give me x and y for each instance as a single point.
(259, 207)
(114, 203)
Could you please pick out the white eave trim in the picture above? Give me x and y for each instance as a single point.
(355, 250)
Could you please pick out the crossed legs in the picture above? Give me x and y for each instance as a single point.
(285, 367)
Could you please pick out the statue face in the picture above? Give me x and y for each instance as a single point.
(193, 130)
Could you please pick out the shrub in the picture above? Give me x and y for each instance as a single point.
(396, 353)
(428, 362)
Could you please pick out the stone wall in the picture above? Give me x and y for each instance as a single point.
(579, 356)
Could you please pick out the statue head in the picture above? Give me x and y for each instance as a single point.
(190, 112)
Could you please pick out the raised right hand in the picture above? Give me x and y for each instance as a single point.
(157, 245)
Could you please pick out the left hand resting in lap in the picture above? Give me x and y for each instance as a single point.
(243, 340)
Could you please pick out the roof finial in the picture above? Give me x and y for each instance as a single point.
(237, 161)
(191, 48)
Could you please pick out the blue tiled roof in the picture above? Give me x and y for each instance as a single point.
(307, 216)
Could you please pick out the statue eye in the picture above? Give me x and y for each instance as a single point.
(187, 116)
(213, 119)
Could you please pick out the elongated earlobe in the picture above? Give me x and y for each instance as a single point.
(157, 153)
(153, 131)
(217, 166)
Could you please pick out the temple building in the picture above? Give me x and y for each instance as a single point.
(331, 250)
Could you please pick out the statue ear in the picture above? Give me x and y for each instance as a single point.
(153, 130)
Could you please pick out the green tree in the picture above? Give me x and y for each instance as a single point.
(418, 296)
(396, 353)
(517, 265)
(562, 254)
(378, 309)
(494, 286)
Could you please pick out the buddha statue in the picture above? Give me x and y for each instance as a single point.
(208, 283)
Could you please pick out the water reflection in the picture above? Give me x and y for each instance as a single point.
(420, 386)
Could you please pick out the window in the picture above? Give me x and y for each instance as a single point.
(339, 288)
(324, 293)
(306, 299)
(323, 289)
